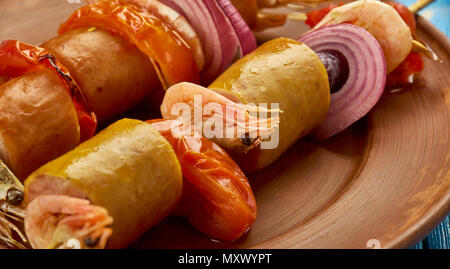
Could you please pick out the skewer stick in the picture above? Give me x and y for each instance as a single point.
(299, 16)
(419, 46)
(424, 49)
(419, 5)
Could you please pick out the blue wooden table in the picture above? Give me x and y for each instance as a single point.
(439, 14)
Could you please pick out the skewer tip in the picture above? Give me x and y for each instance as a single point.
(419, 5)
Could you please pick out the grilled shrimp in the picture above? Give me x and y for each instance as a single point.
(248, 130)
(55, 221)
(382, 21)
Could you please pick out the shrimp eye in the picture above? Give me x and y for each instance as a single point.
(14, 196)
(88, 241)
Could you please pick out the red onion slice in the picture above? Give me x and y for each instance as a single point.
(219, 39)
(179, 22)
(246, 38)
(229, 40)
(366, 79)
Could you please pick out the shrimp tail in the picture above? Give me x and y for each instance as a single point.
(245, 126)
(59, 221)
(12, 212)
(256, 129)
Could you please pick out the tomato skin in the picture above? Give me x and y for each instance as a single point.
(17, 59)
(400, 77)
(413, 64)
(315, 16)
(149, 33)
(217, 197)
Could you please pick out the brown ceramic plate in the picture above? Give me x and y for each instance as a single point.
(383, 182)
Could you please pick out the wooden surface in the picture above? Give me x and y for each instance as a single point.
(385, 182)
(439, 238)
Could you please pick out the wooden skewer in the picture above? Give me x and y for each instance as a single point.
(299, 16)
(419, 5)
(295, 6)
(419, 46)
(424, 49)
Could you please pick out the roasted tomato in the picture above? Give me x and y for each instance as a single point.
(402, 76)
(17, 59)
(315, 16)
(217, 197)
(150, 34)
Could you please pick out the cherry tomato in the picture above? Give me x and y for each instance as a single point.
(150, 34)
(217, 197)
(315, 16)
(413, 64)
(17, 59)
(401, 76)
